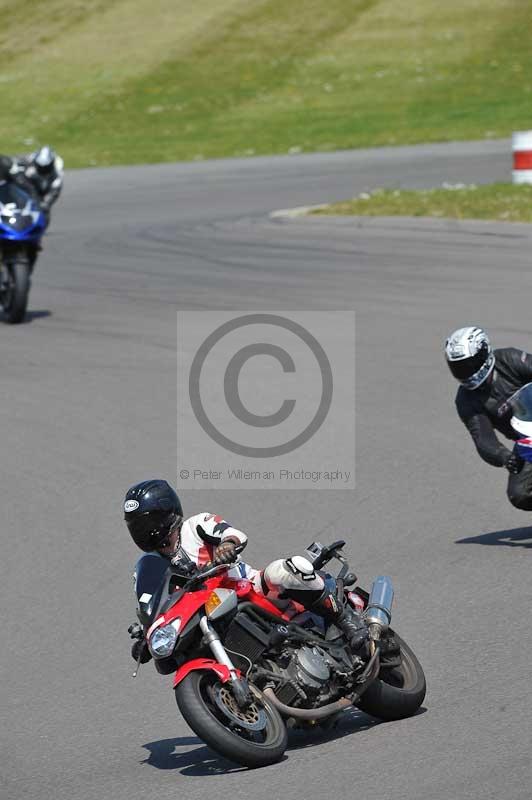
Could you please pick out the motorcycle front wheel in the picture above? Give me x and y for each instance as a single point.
(399, 691)
(14, 297)
(253, 737)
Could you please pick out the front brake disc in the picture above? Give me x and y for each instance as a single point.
(252, 718)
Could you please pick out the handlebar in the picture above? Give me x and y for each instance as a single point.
(205, 572)
(328, 552)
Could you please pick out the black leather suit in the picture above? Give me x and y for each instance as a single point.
(485, 410)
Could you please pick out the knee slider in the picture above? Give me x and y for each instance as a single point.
(301, 567)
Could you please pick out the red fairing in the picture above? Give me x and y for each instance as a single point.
(263, 602)
(203, 664)
(245, 588)
(191, 602)
(241, 587)
(185, 608)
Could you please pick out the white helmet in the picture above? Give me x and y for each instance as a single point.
(470, 356)
(44, 159)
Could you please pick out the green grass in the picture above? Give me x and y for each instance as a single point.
(497, 201)
(122, 81)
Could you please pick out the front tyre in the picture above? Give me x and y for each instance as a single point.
(253, 737)
(399, 691)
(15, 291)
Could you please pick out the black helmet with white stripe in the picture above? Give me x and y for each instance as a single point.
(470, 356)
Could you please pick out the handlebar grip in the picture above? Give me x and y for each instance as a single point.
(135, 631)
(337, 545)
(328, 552)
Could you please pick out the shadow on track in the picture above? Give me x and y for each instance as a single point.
(348, 723)
(516, 537)
(30, 316)
(202, 761)
(36, 314)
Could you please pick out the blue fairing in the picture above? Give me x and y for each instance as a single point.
(21, 219)
(32, 233)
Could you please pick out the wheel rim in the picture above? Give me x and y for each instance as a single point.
(246, 724)
(252, 718)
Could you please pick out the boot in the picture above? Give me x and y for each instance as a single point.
(328, 607)
(354, 630)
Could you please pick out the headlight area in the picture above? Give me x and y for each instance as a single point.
(162, 641)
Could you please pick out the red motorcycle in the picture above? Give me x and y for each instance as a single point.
(244, 668)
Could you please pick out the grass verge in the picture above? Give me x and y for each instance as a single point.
(499, 201)
(112, 82)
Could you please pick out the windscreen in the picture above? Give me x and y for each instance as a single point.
(17, 209)
(9, 193)
(151, 572)
(521, 403)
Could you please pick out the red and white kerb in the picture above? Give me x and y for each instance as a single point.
(522, 147)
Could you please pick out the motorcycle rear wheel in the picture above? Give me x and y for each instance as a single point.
(15, 295)
(195, 697)
(397, 692)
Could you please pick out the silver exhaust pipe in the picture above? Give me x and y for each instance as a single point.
(378, 613)
(322, 712)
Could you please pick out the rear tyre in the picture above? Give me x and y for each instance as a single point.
(398, 692)
(207, 706)
(16, 291)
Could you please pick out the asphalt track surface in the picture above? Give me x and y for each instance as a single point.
(89, 407)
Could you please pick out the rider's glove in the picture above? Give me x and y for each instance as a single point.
(225, 553)
(514, 463)
(140, 648)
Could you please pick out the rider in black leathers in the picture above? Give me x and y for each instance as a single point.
(10, 173)
(484, 409)
(40, 174)
(44, 169)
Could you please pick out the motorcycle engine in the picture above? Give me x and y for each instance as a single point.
(309, 669)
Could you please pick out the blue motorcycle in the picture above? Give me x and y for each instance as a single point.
(22, 225)
(521, 421)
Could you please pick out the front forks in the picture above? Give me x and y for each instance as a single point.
(239, 685)
(5, 283)
(4, 275)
